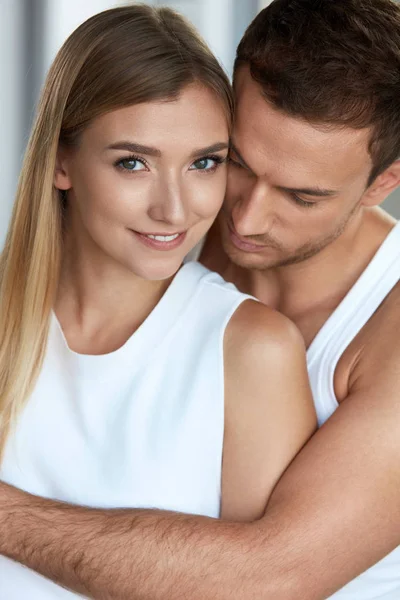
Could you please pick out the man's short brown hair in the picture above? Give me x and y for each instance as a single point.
(331, 62)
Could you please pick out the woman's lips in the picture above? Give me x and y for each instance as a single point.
(160, 241)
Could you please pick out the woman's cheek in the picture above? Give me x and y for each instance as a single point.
(212, 197)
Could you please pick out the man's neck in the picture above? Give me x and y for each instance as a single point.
(310, 291)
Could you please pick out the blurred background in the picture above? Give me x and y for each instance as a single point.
(31, 32)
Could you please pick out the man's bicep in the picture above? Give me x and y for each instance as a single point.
(337, 505)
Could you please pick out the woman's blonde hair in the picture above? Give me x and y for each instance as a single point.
(117, 58)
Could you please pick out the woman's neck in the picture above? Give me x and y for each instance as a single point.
(100, 303)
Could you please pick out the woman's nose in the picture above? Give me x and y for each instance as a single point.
(169, 206)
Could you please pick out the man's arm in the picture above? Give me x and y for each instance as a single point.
(334, 513)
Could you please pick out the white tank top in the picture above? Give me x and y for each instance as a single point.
(140, 427)
(381, 582)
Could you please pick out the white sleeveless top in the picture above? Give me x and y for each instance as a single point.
(381, 582)
(140, 427)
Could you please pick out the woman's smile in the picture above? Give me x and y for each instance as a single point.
(160, 241)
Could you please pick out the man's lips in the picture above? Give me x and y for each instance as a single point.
(242, 243)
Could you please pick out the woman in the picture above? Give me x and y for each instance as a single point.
(127, 379)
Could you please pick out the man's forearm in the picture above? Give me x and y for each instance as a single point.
(134, 554)
(333, 514)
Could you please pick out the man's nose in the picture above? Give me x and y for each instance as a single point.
(253, 210)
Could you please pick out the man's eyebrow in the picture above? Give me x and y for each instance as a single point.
(317, 192)
(150, 151)
(240, 157)
(308, 191)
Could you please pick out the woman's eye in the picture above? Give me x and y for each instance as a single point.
(204, 164)
(131, 164)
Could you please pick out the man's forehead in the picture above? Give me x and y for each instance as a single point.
(266, 135)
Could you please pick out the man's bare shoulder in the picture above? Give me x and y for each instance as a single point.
(379, 342)
(373, 358)
(388, 314)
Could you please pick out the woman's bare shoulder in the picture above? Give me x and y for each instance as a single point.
(256, 330)
(269, 413)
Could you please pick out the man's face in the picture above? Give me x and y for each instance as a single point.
(292, 187)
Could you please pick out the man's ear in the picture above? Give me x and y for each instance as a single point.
(383, 185)
(62, 179)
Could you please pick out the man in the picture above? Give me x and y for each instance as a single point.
(314, 153)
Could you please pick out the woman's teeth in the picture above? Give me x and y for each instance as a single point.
(163, 238)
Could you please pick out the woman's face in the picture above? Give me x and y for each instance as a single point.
(146, 182)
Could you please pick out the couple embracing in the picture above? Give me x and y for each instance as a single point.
(225, 427)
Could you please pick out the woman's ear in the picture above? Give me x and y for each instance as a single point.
(383, 185)
(62, 179)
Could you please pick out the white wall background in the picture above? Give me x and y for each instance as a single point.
(31, 32)
(11, 105)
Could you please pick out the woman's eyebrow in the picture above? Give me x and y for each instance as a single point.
(210, 149)
(151, 151)
(134, 147)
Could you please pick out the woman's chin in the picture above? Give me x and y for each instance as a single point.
(159, 270)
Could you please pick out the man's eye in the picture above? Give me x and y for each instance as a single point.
(235, 163)
(131, 164)
(302, 202)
